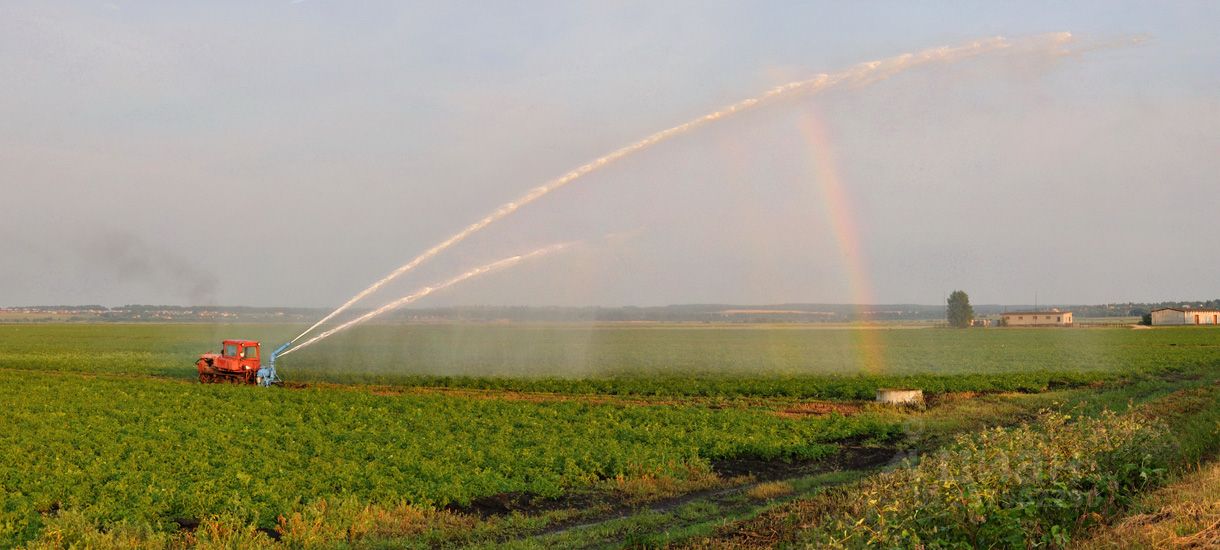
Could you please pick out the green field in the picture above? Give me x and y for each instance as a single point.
(107, 434)
(185, 450)
(799, 360)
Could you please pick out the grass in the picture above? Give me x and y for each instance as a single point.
(1040, 484)
(658, 527)
(1003, 487)
(770, 490)
(1185, 514)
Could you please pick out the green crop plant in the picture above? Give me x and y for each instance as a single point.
(147, 450)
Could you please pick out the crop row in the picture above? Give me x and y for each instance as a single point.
(148, 450)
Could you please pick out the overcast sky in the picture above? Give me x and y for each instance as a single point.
(290, 153)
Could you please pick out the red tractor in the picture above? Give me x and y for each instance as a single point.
(237, 362)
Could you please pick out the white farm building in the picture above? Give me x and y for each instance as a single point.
(1185, 316)
(1052, 318)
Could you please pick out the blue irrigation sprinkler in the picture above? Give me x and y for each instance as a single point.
(266, 373)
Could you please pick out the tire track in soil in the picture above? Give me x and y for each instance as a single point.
(764, 471)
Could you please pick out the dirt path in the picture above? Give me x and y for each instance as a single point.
(761, 471)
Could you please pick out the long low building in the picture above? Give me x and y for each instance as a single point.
(1185, 316)
(1052, 318)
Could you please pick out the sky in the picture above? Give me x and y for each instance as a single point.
(290, 153)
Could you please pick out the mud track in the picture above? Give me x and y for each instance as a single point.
(761, 471)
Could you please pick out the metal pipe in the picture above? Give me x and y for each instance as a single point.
(278, 351)
(266, 374)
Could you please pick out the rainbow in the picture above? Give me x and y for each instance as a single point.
(839, 212)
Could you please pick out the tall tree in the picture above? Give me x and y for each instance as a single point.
(959, 311)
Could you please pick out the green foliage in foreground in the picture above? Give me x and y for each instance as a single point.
(149, 450)
(1027, 486)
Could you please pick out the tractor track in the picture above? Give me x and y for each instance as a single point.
(856, 458)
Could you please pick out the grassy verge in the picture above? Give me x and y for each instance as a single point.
(1185, 514)
(1038, 484)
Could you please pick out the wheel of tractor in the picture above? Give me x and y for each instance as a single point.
(205, 377)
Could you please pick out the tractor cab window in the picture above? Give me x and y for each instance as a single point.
(251, 352)
(230, 350)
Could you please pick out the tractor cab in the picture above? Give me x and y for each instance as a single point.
(238, 361)
(239, 354)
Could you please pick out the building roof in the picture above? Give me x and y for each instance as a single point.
(1188, 309)
(1036, 313)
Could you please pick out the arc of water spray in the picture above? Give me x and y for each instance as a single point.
(494, 266)
(862, 74)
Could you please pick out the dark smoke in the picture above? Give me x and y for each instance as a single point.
(134, 261)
